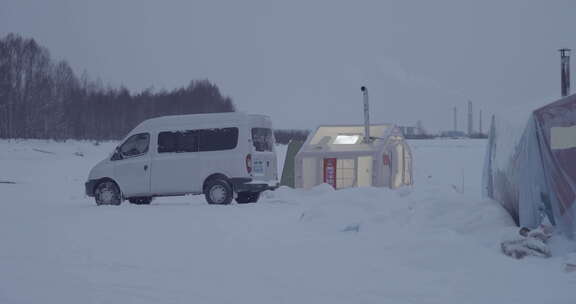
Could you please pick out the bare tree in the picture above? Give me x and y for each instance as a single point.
(41, 98)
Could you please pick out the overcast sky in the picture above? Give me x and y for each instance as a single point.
(302, 61)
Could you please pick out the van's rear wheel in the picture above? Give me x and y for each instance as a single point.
(146, 200)
(107, 193)
(218, 192)
(247, 197)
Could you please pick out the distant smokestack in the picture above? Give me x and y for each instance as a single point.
(455, 119)
(565, 71)
(367, 138)
(480, 121)
(470, 118)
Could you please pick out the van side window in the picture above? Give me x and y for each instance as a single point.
(177, 142)
(135, 145)
(188, 141)
(167, 142)
(197, 140)
(262, 139)
(217, 139)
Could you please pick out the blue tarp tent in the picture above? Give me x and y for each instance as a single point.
(536, 179)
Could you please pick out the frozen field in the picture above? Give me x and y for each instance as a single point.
(435, 243)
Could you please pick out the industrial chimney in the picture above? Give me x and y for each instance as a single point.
(480, 122)
(470, 118)
(455, 119)
(565, 71)
(367, 138)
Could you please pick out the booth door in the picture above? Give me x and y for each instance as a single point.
(346, 173)
(365, 171)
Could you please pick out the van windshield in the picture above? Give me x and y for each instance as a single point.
(262, 139)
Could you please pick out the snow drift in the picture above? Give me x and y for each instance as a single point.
(427, 244)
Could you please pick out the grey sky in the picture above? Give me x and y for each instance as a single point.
(303, 62)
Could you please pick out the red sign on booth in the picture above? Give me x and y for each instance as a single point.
(386, 160)
(330, 171)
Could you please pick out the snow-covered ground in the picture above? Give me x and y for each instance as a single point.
(435, 243)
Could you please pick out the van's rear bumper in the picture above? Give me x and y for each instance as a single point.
(89, 187)
(245, 184)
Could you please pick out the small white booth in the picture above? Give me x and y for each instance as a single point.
(342, 157)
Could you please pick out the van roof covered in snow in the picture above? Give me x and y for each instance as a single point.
(204, 119)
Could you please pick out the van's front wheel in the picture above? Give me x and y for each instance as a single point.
(218, 192)
(107, 193)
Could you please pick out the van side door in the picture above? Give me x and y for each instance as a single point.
(176, 163)
(132, 165)
(185, 158)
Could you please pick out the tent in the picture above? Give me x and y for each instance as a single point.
(342, 157)
(288, 178)
(536, 179)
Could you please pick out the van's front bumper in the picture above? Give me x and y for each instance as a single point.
(245, 184)
(89, 187)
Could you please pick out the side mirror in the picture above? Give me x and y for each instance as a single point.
(117, 154)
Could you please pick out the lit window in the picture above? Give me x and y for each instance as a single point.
(346, 139)
(563, 137)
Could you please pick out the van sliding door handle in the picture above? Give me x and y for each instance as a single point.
(145, 167)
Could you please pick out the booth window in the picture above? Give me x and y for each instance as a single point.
(346, 139)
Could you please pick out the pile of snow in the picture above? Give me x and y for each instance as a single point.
(437, 242)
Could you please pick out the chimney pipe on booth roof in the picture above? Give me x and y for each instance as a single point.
(367, 138)
(565, 71)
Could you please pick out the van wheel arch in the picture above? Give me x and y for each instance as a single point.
(211, 178)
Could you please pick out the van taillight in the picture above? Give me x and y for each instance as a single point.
(249, 163)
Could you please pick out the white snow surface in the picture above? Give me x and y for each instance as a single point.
(437, 242)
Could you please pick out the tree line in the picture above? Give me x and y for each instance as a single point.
(284, 137)
(44, 98)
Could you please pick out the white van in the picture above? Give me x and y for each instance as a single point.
(224, 156)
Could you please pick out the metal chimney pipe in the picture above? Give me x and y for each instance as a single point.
(367, 138)
(565, 71)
